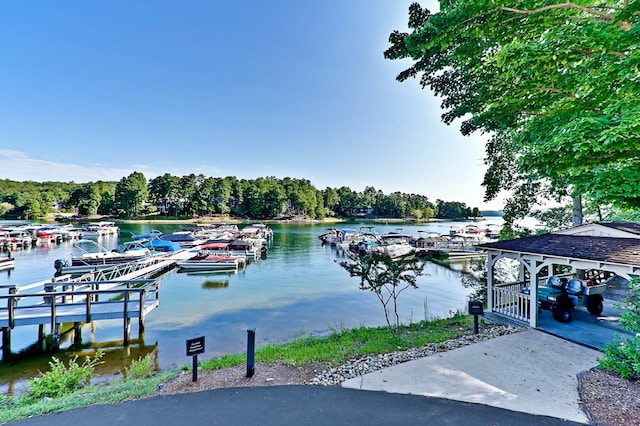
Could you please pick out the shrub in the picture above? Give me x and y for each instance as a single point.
(624, 357)
(61, 379)
(141, 368)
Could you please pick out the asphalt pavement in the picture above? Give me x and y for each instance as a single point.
(290, 405)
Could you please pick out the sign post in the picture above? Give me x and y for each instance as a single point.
(194, 348)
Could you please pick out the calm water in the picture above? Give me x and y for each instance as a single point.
(298, 289)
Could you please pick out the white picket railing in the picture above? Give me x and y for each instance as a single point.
(510, 300)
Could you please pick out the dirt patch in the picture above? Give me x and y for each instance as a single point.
(265, 375)
(609, 399)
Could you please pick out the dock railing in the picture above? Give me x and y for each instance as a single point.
(81, 303)
(509, 299)
(77, 302)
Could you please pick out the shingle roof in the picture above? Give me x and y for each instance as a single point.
(625, 251)
(631, 227)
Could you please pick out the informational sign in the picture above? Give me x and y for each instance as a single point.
(475, 308)
(195, 346)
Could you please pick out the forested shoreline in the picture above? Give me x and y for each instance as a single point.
(200, 196)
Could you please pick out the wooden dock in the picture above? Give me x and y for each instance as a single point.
(123, 291)
(85, 302)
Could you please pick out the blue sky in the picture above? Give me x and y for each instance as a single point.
(96, 90)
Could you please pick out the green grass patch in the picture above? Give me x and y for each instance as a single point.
(13, 409)
(340, 346)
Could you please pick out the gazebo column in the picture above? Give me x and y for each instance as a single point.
(533, 298)
(491, 260)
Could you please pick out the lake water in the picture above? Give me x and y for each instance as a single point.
(297, 290)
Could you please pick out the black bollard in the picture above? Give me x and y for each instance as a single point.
(251, 348)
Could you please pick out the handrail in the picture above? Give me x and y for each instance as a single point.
(150, 289)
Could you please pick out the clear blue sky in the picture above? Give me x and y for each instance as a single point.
(96, 90)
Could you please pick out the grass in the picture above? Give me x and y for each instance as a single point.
(332, 350)
(340, 346)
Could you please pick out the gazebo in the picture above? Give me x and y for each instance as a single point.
(599, 250)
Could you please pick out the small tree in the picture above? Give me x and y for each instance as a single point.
(387, 277)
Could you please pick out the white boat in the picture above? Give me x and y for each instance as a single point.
(492, 231)
(100, 229)
(397, 244)
(91, 256)
(209, 262)
(228, 248)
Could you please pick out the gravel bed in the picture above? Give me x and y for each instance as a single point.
(359, 366)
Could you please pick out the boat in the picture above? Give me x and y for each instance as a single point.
(239, 249)
(154, 233)
(492, 231)
(186, 239)
(160, 246)
(204, 261)
(100, 229)
(397, 244)
(91, 256)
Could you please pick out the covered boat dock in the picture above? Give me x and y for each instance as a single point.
(604, 252)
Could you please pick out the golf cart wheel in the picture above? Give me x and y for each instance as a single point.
(595, 306)
(562, 313)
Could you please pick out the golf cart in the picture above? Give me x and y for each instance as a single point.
(562, 295)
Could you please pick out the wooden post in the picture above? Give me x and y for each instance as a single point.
(77, 333)
(55, 343)
(141, 315)
(87, 302)
(10, 306)
(6, 343)
(53, 314)
(42, 337)
(127, 320)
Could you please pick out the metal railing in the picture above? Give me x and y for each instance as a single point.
(49, 306)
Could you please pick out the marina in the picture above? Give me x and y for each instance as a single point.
(296, 288)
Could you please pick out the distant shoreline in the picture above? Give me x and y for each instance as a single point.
(230, 220)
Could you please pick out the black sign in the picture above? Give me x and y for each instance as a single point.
(475, 308)
(195, 346)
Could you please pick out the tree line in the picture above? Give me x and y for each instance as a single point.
(200, 196)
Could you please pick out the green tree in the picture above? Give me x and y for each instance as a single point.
(331, 200)
(386, 277)
(130, 194)
(164, 192)
(552, 84)
(221, 193)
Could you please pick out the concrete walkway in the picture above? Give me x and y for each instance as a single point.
(530, 371)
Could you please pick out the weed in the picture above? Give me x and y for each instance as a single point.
(61, 379)
(141, 368)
